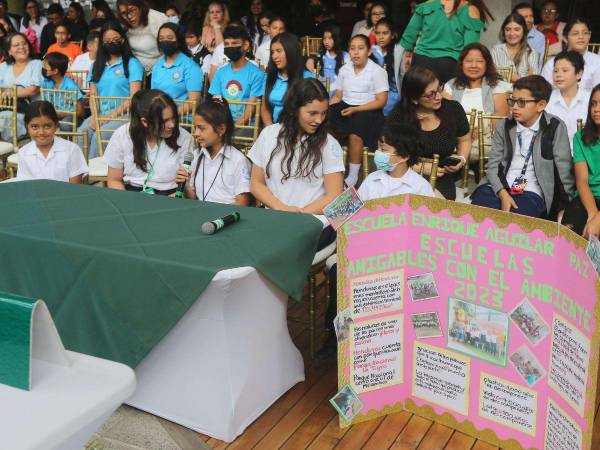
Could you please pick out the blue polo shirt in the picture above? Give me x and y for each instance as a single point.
(113, 82)
(57, 99)
(178, 79)
(241, 85)
(278, 92)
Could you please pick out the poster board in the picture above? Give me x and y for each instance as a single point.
(477, 319)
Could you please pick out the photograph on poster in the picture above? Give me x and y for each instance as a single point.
(530, 322)
(593, 252)
(527, 365)
(347, 403)
(341, 324)
(426, 325)
(342, 207)
(422, 287)
(478, 331)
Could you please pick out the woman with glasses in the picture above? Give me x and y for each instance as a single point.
(442, 125)
(32, 23)
(551, 27)
(20, 70)
(142, 24)
(513, 49)
(377, 12)
(439, 30)
(115, 73)
(578, 34)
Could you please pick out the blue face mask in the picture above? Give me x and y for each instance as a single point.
(382, 161)
(174, 19)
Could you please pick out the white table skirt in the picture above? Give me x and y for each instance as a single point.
(226, 361)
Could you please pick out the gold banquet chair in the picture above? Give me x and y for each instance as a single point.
(245, 135)
(579, 124)
(65, 104)
(311, 45)
(594, 47)
(472, 120)
(485, 138)
(185, 112)
(80, 77)
(505, 72)
(8, 103)
(435, 161)
(13, 160)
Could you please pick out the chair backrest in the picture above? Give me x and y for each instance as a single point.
(185, 111)
(579, 124)
(246, 134)
(485, 139)
(311, 45)
(105, 110)
(205, 87)
(78, 43)
(74, 136)
(472, 116)
(8, 103)
(594, 47)
(80, 77)
(435, 161)
(546, 52)
(65, 104)
(505, 72)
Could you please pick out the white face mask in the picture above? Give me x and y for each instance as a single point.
(174, 19)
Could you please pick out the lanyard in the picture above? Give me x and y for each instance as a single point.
(151, 171)
(214, 179)
(529, 152)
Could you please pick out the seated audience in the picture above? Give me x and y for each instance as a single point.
(252, 21)
(75, 19)
(331, 57)
(551, 27)
(389, 56)
(530, 170)
(32, 24)
(54, 68)
(362, 23)
(535, 38)
(199, 53)
(219, 58)
(173, 14)
(101, 10)
(84, 61)
(54, 15)
(441, 124)
(215, 21)
(48, 156)
(144, 154)
(220, 172)
(377, 12)
(63, 43)
(263, 53)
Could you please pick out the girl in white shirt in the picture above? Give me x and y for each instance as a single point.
(144, 154)
(297, 165)
(47, 156)
(569, 101)
(220, 172)
(356, 107)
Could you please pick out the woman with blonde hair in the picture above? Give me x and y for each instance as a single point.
(215, 21)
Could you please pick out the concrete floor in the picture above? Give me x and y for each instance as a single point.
(131, 429)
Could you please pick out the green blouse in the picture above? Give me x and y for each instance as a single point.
(438, 35)
(589, 154)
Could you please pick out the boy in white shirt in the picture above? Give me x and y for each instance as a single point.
(84, 62)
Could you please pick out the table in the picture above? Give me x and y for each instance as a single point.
(129, 277)
(226, 361)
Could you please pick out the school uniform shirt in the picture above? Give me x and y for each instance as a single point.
(219, 59)
(143, 39)
(71, 51)
(578, 109)
(263, 52)
(329, 65)
(380, 184)
(178, 79)
(223, 178)
(294, 191)
(119, 155)
(278, 92)
(113, 82)
(359, 89)
(65, 160)
(82, 63)
(58, 100)
(241, 85)
(519, 155)
(591, 70)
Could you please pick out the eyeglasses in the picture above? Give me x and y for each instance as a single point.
(548, 10)
(522, 102)
(130, 12)
(432, 94)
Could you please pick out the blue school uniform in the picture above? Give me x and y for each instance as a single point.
(329, 66)
(59, 101)
(393, 93)
(241, 85)
(113, 82)
(278, 92)
(178, 79)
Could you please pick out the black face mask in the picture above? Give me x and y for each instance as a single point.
(169, 48)
(233, 53)
(113, 48)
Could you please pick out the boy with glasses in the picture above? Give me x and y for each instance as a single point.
(530, 169)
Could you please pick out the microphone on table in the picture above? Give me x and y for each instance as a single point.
(215, 225)
(187, 163)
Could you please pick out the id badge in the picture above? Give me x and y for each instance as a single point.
(518, 185)
(148, 190)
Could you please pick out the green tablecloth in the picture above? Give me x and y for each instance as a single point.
(119, 269)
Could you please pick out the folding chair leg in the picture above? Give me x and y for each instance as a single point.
(365, 162)
(312, 288)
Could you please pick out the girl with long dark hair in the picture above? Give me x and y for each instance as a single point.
(582, 214)
(285, 67)
(144, 154)
(32, 24)
(115, 73)
(387, 54)
(75, 18)
(331, 57)
(252, 21)
(442, 125)
(439, 30)
(297, 165)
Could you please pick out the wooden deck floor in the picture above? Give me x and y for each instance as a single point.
(303, 418)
